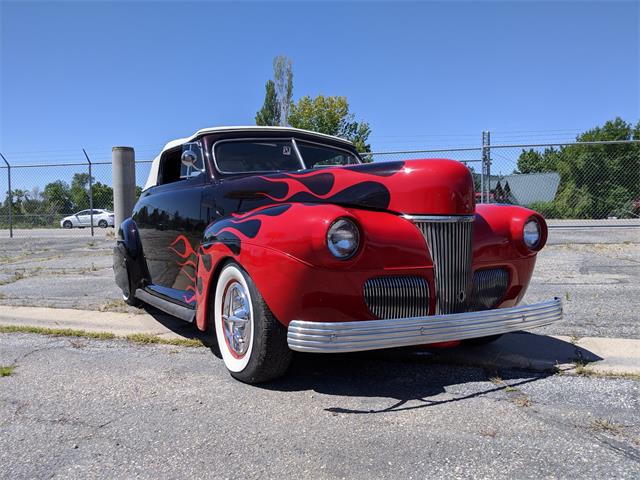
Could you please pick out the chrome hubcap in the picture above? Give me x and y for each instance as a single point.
(236, 319)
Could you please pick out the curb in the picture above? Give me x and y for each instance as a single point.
(521, 350)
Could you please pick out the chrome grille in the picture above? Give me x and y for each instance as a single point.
(489, 286)
(449, 241)
(397, 296)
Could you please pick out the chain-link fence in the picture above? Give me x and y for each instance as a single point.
(588, 181)
(576, 181)
(42, 199)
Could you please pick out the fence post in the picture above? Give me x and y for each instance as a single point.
(9, 196)
(124, 182)
(90, 190)
(486, 166)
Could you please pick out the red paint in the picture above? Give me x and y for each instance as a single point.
(300, 280)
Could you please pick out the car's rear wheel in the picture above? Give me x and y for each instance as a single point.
(103, 224)
(252, 342)
(67, 224)
(128, 293)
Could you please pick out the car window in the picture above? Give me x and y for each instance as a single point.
(83, 212)
(317, 156)
(247, 156)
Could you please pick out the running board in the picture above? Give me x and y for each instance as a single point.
(183, 313)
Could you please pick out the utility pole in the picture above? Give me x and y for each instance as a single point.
(486, 167)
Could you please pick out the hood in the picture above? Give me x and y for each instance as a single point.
(433, 186)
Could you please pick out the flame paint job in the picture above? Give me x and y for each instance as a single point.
(275, 227)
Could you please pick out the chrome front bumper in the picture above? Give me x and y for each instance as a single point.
(328, 337)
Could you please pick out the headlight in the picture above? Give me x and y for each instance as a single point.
(531, 233)
(343, 238)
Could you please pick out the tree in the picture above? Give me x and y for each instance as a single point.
(79, 191)
(283, 75)
(330, 115)
(57, 198)
(102, 196)
(595, 180)
(269, 114)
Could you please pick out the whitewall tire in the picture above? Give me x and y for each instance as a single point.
(252, 343)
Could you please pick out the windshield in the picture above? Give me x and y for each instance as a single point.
(248, 156)
(317, 156)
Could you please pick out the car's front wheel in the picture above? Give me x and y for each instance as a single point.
(67, 224)
(252, 342)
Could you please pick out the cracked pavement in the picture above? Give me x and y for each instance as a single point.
(93, 409)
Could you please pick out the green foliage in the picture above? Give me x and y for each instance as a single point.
(79, 190)
(596, 181)
(322, 114)
(330, 115)
(269, 114)
(102, 196)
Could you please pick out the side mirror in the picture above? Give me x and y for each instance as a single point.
(189, 159)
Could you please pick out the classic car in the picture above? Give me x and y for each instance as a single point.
(276, 239)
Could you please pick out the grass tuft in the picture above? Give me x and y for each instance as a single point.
(140, 338)
(604, 425)
(56, 332)
(146, 339)
(7, 370)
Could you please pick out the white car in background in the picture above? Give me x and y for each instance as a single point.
(101, 218)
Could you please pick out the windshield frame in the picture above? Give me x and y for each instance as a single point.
(280, 139)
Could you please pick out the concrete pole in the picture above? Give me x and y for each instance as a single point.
(124, 183)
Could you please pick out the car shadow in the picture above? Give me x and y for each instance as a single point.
(420, 378)
(180, 327)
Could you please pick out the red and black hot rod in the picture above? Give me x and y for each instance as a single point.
(278, 239)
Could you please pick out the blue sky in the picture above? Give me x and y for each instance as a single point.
(423, 74)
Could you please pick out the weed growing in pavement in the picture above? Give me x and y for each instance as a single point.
(145, 338)
(140, 338)
(56, 332)
(522, 401)
(7, 371)
(604, 425)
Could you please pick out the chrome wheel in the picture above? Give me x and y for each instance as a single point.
(236, 319)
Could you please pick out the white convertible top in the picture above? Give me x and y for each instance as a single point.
(155, 164)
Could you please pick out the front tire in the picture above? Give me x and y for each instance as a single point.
(252, 342)
(67, 224)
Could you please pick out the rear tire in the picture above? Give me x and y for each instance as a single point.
(103, 224)
(67, 224)
(252, 342)
(128, 296)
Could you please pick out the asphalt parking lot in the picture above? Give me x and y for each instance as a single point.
(81, 408)
(595, 271)
(77, 408)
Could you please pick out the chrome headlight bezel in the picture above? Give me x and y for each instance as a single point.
(532, 233)
(343, 230)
